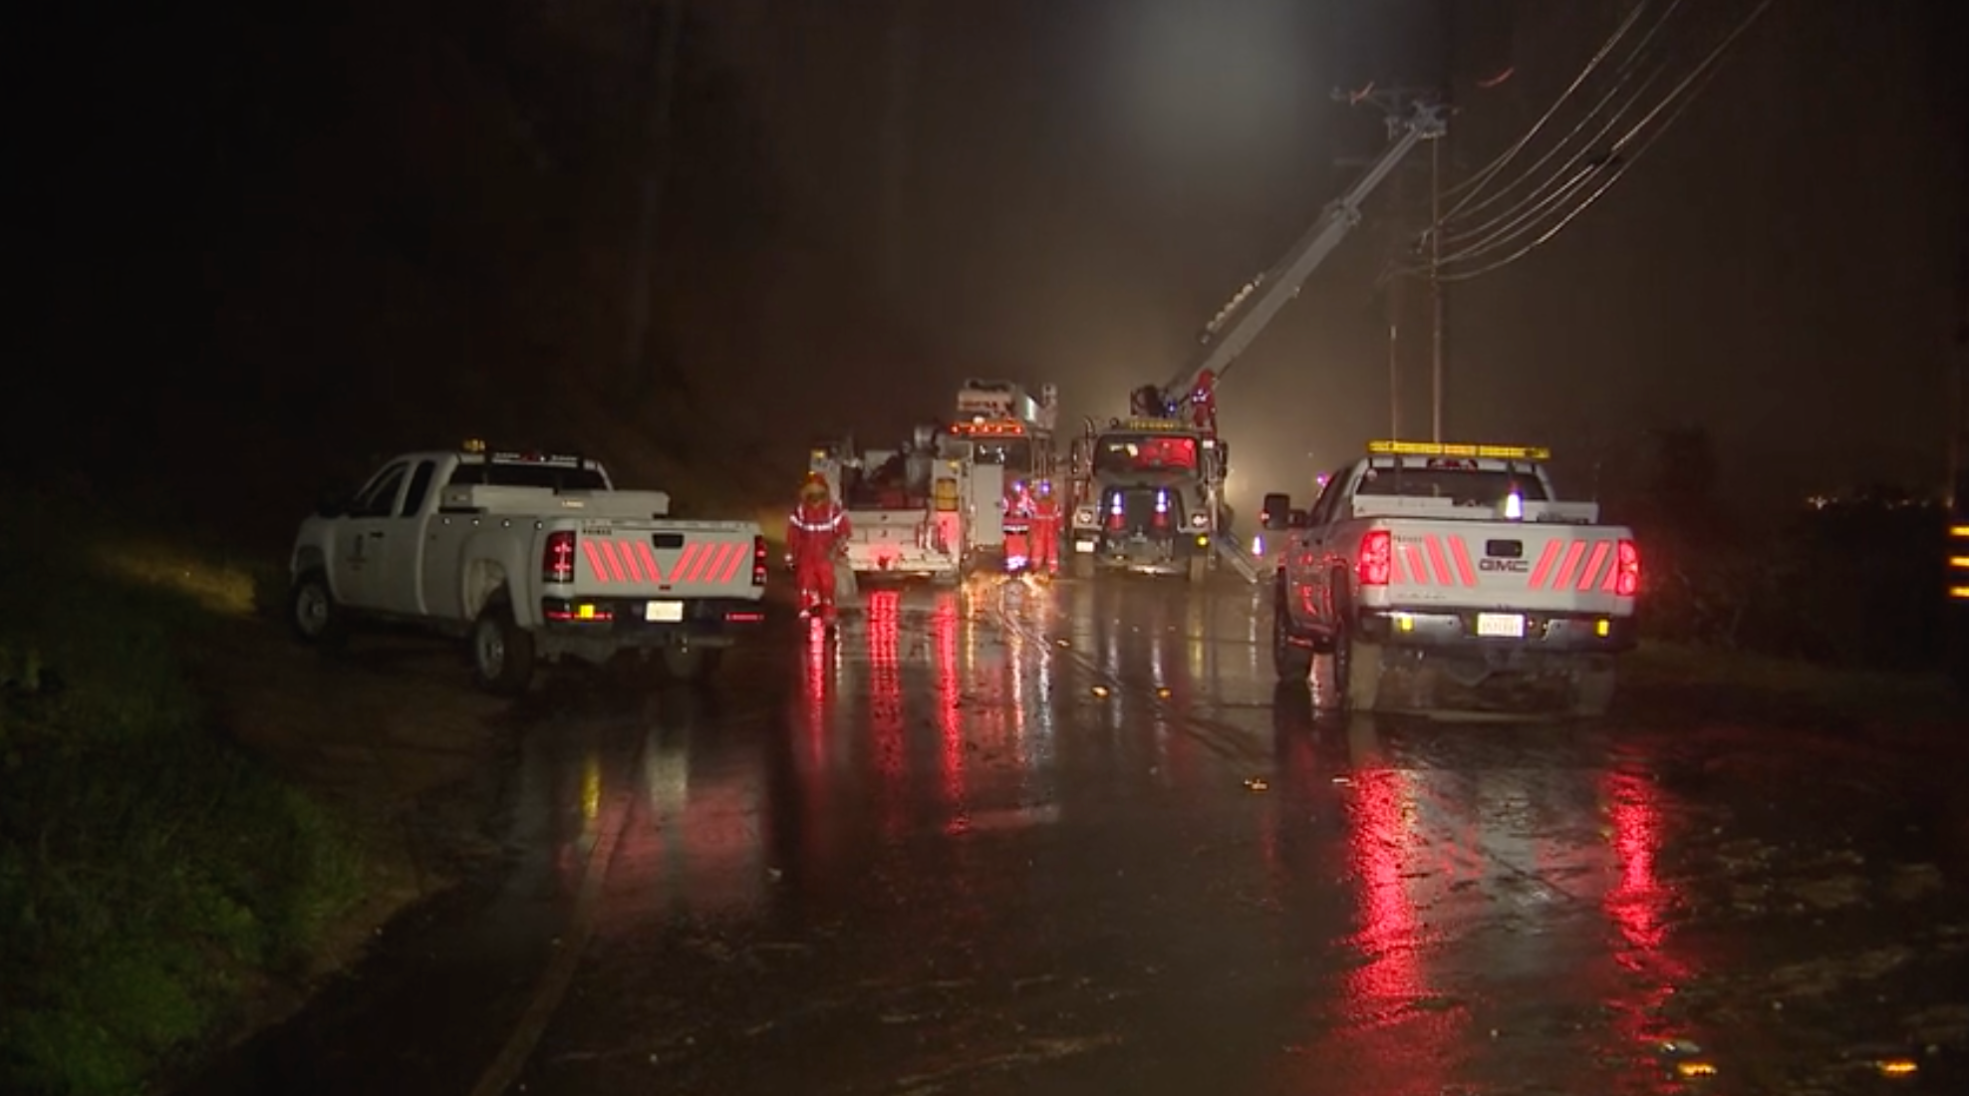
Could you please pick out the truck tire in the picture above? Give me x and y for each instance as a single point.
(692, 665)
(502, 652)
(1292, 661)
(313, 614)
(1592, 690)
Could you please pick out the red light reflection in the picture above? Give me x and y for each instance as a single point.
(943, 629)
(1381, 849)
(1638, 907)
(885, 704)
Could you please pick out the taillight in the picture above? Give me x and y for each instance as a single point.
(557, 558)
(1627, 569)
(758, 561)
(1377, 557)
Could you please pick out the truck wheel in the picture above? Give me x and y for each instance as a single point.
(313, 614)
(1199, 567)
(1292, 661)
(502, 652)
(692, 664)
(1592, 690)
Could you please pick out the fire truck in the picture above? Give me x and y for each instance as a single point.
(1149, 489)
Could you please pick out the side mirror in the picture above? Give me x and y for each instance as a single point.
(332, 504)
(1277, 511)
(1297, 519)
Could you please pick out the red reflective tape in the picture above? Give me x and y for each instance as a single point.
(595, 563)
(1573, 552)
(1442, 562)
(614, 562)
(731, 566)
(1463, 566)
(683, 561)
(1612, 582)
(1397, 575)
(629, 558)
(1600, 550)
(1415, 564)
(1544, 567)
(649, 562)
(705, 555)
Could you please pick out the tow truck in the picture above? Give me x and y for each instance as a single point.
(1424, 565)
(1183, 409)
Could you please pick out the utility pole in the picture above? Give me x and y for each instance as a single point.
(1395, 324)
(1436, 289)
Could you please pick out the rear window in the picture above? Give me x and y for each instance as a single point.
(1467, 486)
(558, 477)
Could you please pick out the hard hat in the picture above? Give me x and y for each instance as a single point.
(814, 479)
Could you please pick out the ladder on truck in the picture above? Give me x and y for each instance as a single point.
(1240, 321)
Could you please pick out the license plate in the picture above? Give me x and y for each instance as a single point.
(1503, 625)
(1085, 547)
(666, 612)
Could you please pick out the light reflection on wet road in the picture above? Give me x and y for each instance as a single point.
(1019, 839)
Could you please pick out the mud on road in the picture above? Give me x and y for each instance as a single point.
(1074, 839)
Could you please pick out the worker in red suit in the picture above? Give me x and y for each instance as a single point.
(1203, 403)
(816, 535)
(1018, 529)
(1044, 532)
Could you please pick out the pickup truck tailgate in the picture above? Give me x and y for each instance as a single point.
(1517, 565)
(674, 559)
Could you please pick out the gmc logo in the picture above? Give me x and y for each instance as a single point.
(1515, 566)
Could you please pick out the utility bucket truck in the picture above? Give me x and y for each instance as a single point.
(1186, 404)
(903, 515)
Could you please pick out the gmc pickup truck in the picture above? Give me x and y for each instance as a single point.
(1424, 565)
(531, 557)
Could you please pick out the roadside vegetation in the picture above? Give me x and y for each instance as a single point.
(151, 871)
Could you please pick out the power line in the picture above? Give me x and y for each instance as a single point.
(1691, 86)
(1629, 66)
(1538, 198)
(1478, 181)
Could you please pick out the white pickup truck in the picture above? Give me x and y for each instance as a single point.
(531, 557)
(1428, 564)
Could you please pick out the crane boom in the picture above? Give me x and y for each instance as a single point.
(1240, 321)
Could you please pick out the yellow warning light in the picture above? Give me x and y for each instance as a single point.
(1898, 1067)
(1404, 622)
(1695, 1069)
(1603, 628)
(1389, 447)
(474, 445)
(585, 612)
(1958, 561)
(1958, 530)
(1958, 591)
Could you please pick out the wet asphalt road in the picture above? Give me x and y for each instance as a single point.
(1019, 839)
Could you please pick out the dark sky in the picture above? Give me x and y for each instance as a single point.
(315, 232)
(1067, 189)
